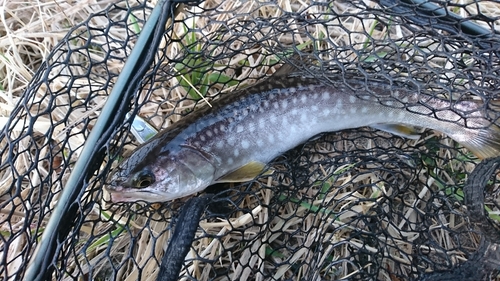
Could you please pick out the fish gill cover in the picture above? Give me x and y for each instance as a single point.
(358, 204)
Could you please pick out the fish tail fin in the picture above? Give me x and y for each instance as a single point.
(486, 144)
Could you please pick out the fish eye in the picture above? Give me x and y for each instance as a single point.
(143, 179)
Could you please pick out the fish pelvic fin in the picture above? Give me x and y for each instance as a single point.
(406, 131)
(486, 144)
(246, 173)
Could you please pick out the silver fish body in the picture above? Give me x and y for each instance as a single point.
(261, 122)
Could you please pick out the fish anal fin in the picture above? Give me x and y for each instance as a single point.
(401, 130)
(245, 173)
(495, 104)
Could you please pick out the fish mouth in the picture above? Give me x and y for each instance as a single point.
(119, 194)
(117, 197)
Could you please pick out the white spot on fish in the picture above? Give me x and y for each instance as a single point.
(244, 112)
(292, 90)
(202, 138)
(270, 138)
(236, 152)
(303, 117)
(303, 98)
(276, 105)
(326, 111)
(266, 104)
(295, 112)
(219, 144)
(352, 99)
(314, 108)
(353, 110)
(245, 144)
(251, 127)
(364, 109)
(338, 107)
(260, 142)
(262, 125)
(230, 161)
(284, 104)
(295, 100)
(216, 131)
(391, 114)
(222, 128)
(325, 96)
(209, 133)
(402, 114)
(230, 141)
(273, 119)
(389, 103)
(315, 95)
(239, 129)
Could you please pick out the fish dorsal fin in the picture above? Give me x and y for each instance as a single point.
(401, 130)
(285, 70)
(245, 173)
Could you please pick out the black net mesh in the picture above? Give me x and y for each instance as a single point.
(358, 204)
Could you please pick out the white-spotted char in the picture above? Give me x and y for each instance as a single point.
(234, 139)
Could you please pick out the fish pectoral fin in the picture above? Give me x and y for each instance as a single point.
(246, 173)
(401, 130)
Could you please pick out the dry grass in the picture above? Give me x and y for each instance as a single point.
(29, 30)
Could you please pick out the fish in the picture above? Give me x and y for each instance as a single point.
(234, 139)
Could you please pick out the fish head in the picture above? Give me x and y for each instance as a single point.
(160, 177)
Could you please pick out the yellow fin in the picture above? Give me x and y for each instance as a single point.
(486, 144)
(401, 130)
(245, 173)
